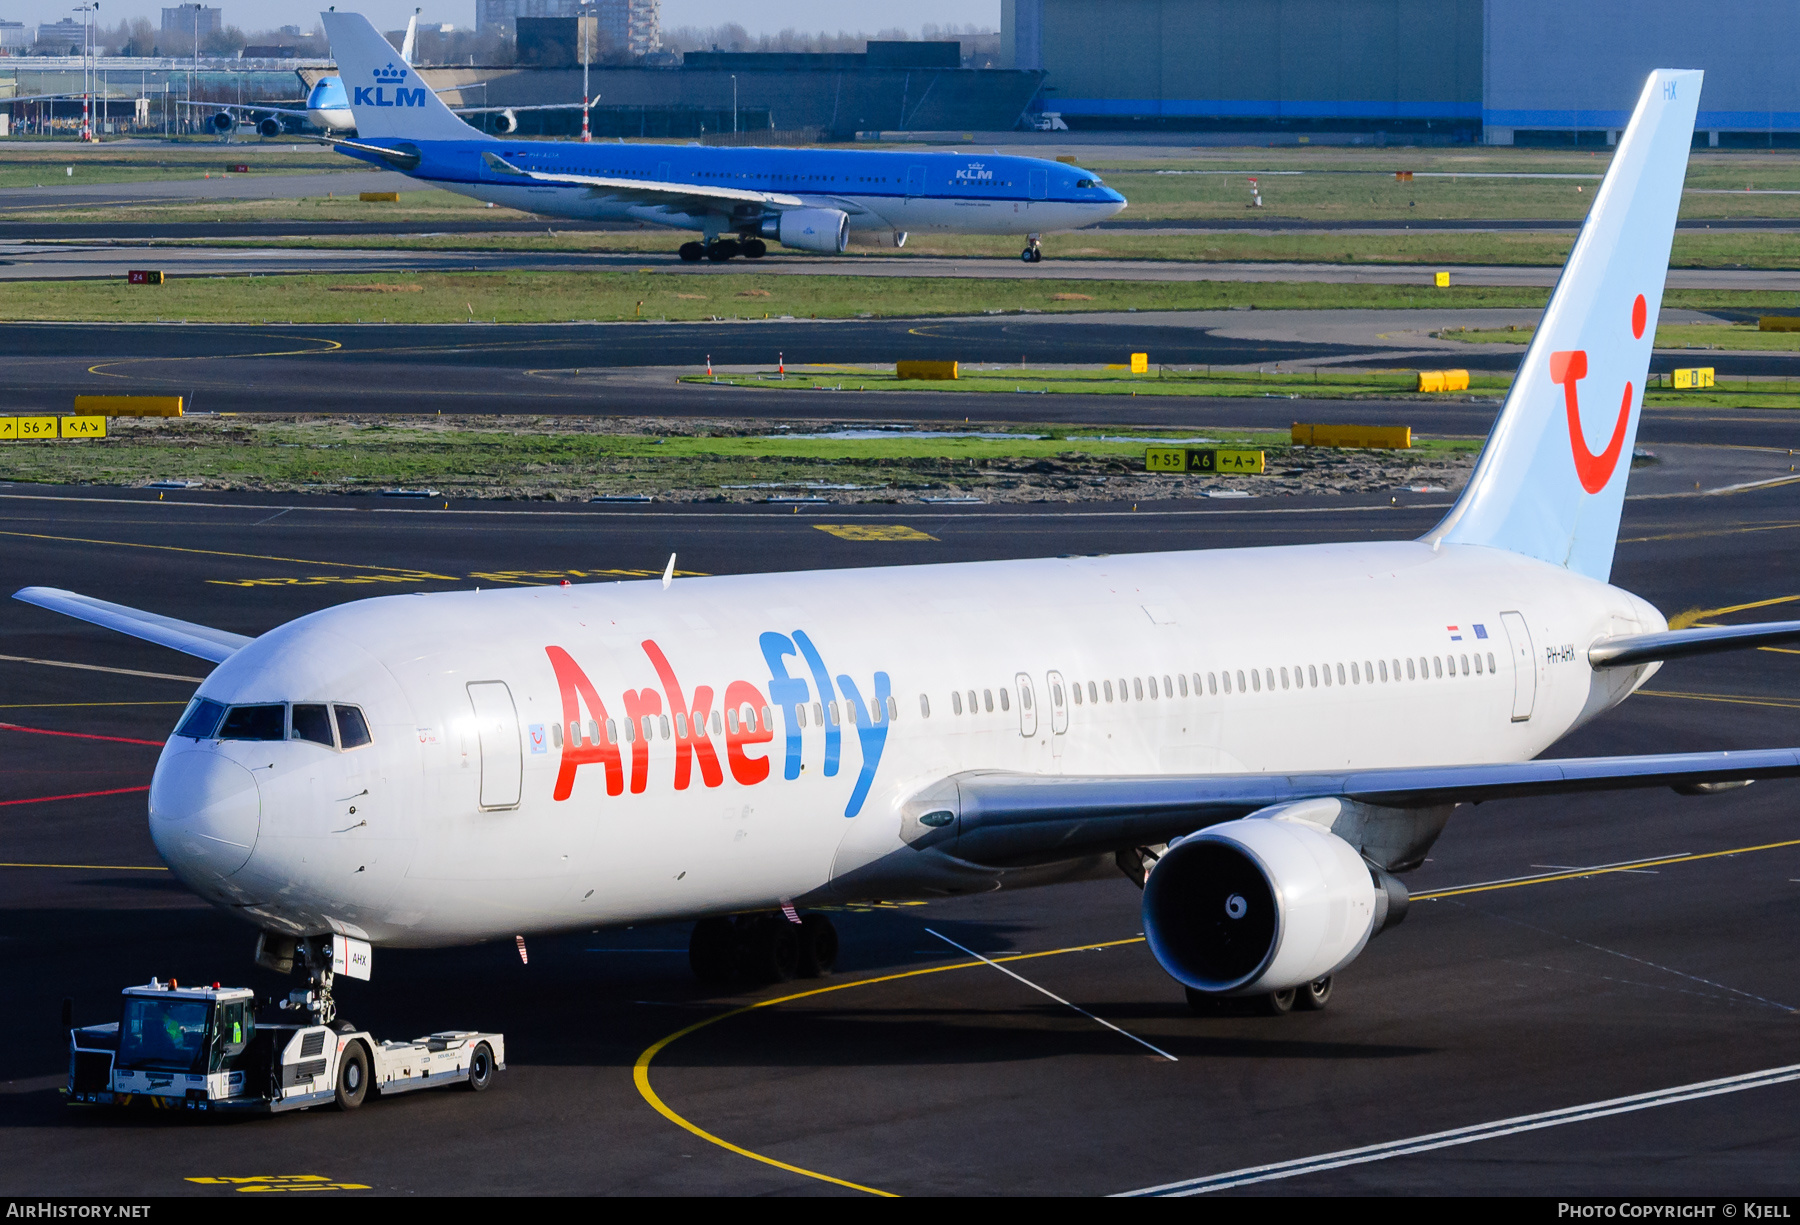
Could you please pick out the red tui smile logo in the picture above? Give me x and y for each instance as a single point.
(1569, 368)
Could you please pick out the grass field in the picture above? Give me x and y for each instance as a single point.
(1387, 388)
(1341, 185)
(1440, 250)
(550, 297)
(1163, 381)
(523, 457)
(1738, 336)
(28, 164)
(539, 297)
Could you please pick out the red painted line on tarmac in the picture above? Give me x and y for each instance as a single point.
(44, 731)
(78, 795)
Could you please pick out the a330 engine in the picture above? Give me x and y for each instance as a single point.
(1262, 904)
(505, 123)
(825, 230)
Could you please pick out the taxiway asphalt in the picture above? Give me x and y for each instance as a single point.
(42, 261)
(633, 369)
(1537, 980)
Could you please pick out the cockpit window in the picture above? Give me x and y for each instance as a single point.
(202, 719)
(353, 729)
(312, 722)
(1089, 183)
(255, 723)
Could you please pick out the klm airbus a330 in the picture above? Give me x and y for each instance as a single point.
(739, 200)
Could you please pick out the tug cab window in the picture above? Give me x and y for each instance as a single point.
(353, 729)
(312, 722)
(267, 722)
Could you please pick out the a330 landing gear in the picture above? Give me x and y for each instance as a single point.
(721, 249)
(1309, 997)
(763, 948)
(1033, 252)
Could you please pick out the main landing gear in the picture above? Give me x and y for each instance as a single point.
(1309, 997)
(1033, 252)
(721, 249)
(762, 948)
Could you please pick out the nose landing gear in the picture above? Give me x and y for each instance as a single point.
(1034, 251)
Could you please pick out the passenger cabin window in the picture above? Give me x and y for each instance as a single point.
(313, 722)
(1256, 680)
(1094, 694)
(956, 701)
(1004, 703)
(1076, 690)
(255, 723)
(353, 729)
(1184, 687)
(1312, 674)
(1109, 691)
(202, 720)
(1137, 688)
(1384, 674)
(1491, 667)
(1212, 684)
(1409, 669)
(924, 707)
(1284, 678)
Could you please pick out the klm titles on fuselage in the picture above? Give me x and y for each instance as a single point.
(975, 172)
(390, 76)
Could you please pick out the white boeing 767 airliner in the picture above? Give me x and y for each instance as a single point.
(1266, 735)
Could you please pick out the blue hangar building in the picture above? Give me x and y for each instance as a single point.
(1502, 72)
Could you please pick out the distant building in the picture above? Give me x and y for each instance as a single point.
(556, 42)
(292, 31)
(1540, 72)
(64, 37)
(268, 51)
(14, 34)
(192, 20)
(633, 26)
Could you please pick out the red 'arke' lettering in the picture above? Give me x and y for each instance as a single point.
(573, 683)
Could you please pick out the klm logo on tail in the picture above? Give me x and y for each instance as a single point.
(392, 76)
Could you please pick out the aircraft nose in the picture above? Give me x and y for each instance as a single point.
(205, 811)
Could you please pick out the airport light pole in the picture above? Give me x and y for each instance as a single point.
(581, 30)
(734, 124)
(87, 72)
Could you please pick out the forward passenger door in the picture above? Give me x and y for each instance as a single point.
(502, 756)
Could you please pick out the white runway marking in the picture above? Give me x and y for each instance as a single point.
(63, 663)
(1470, 1135)
(1059, 999)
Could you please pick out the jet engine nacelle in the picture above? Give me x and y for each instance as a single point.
(1262, 904)
(825, 230)
(269, 127)
(223, 122)
(506, 123)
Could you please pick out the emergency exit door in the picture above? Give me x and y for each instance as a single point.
(502, 756)
(1524, 666)
(915, 180)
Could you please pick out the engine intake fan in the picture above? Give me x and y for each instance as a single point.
(1262, 904)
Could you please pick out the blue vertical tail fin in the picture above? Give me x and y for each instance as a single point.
(387, 98)
(1551, 481)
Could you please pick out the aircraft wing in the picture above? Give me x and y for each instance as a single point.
(680, 196)
(242, 106)
(184, 636)
(1628, 652)
(495, 110)
(1010, 820)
